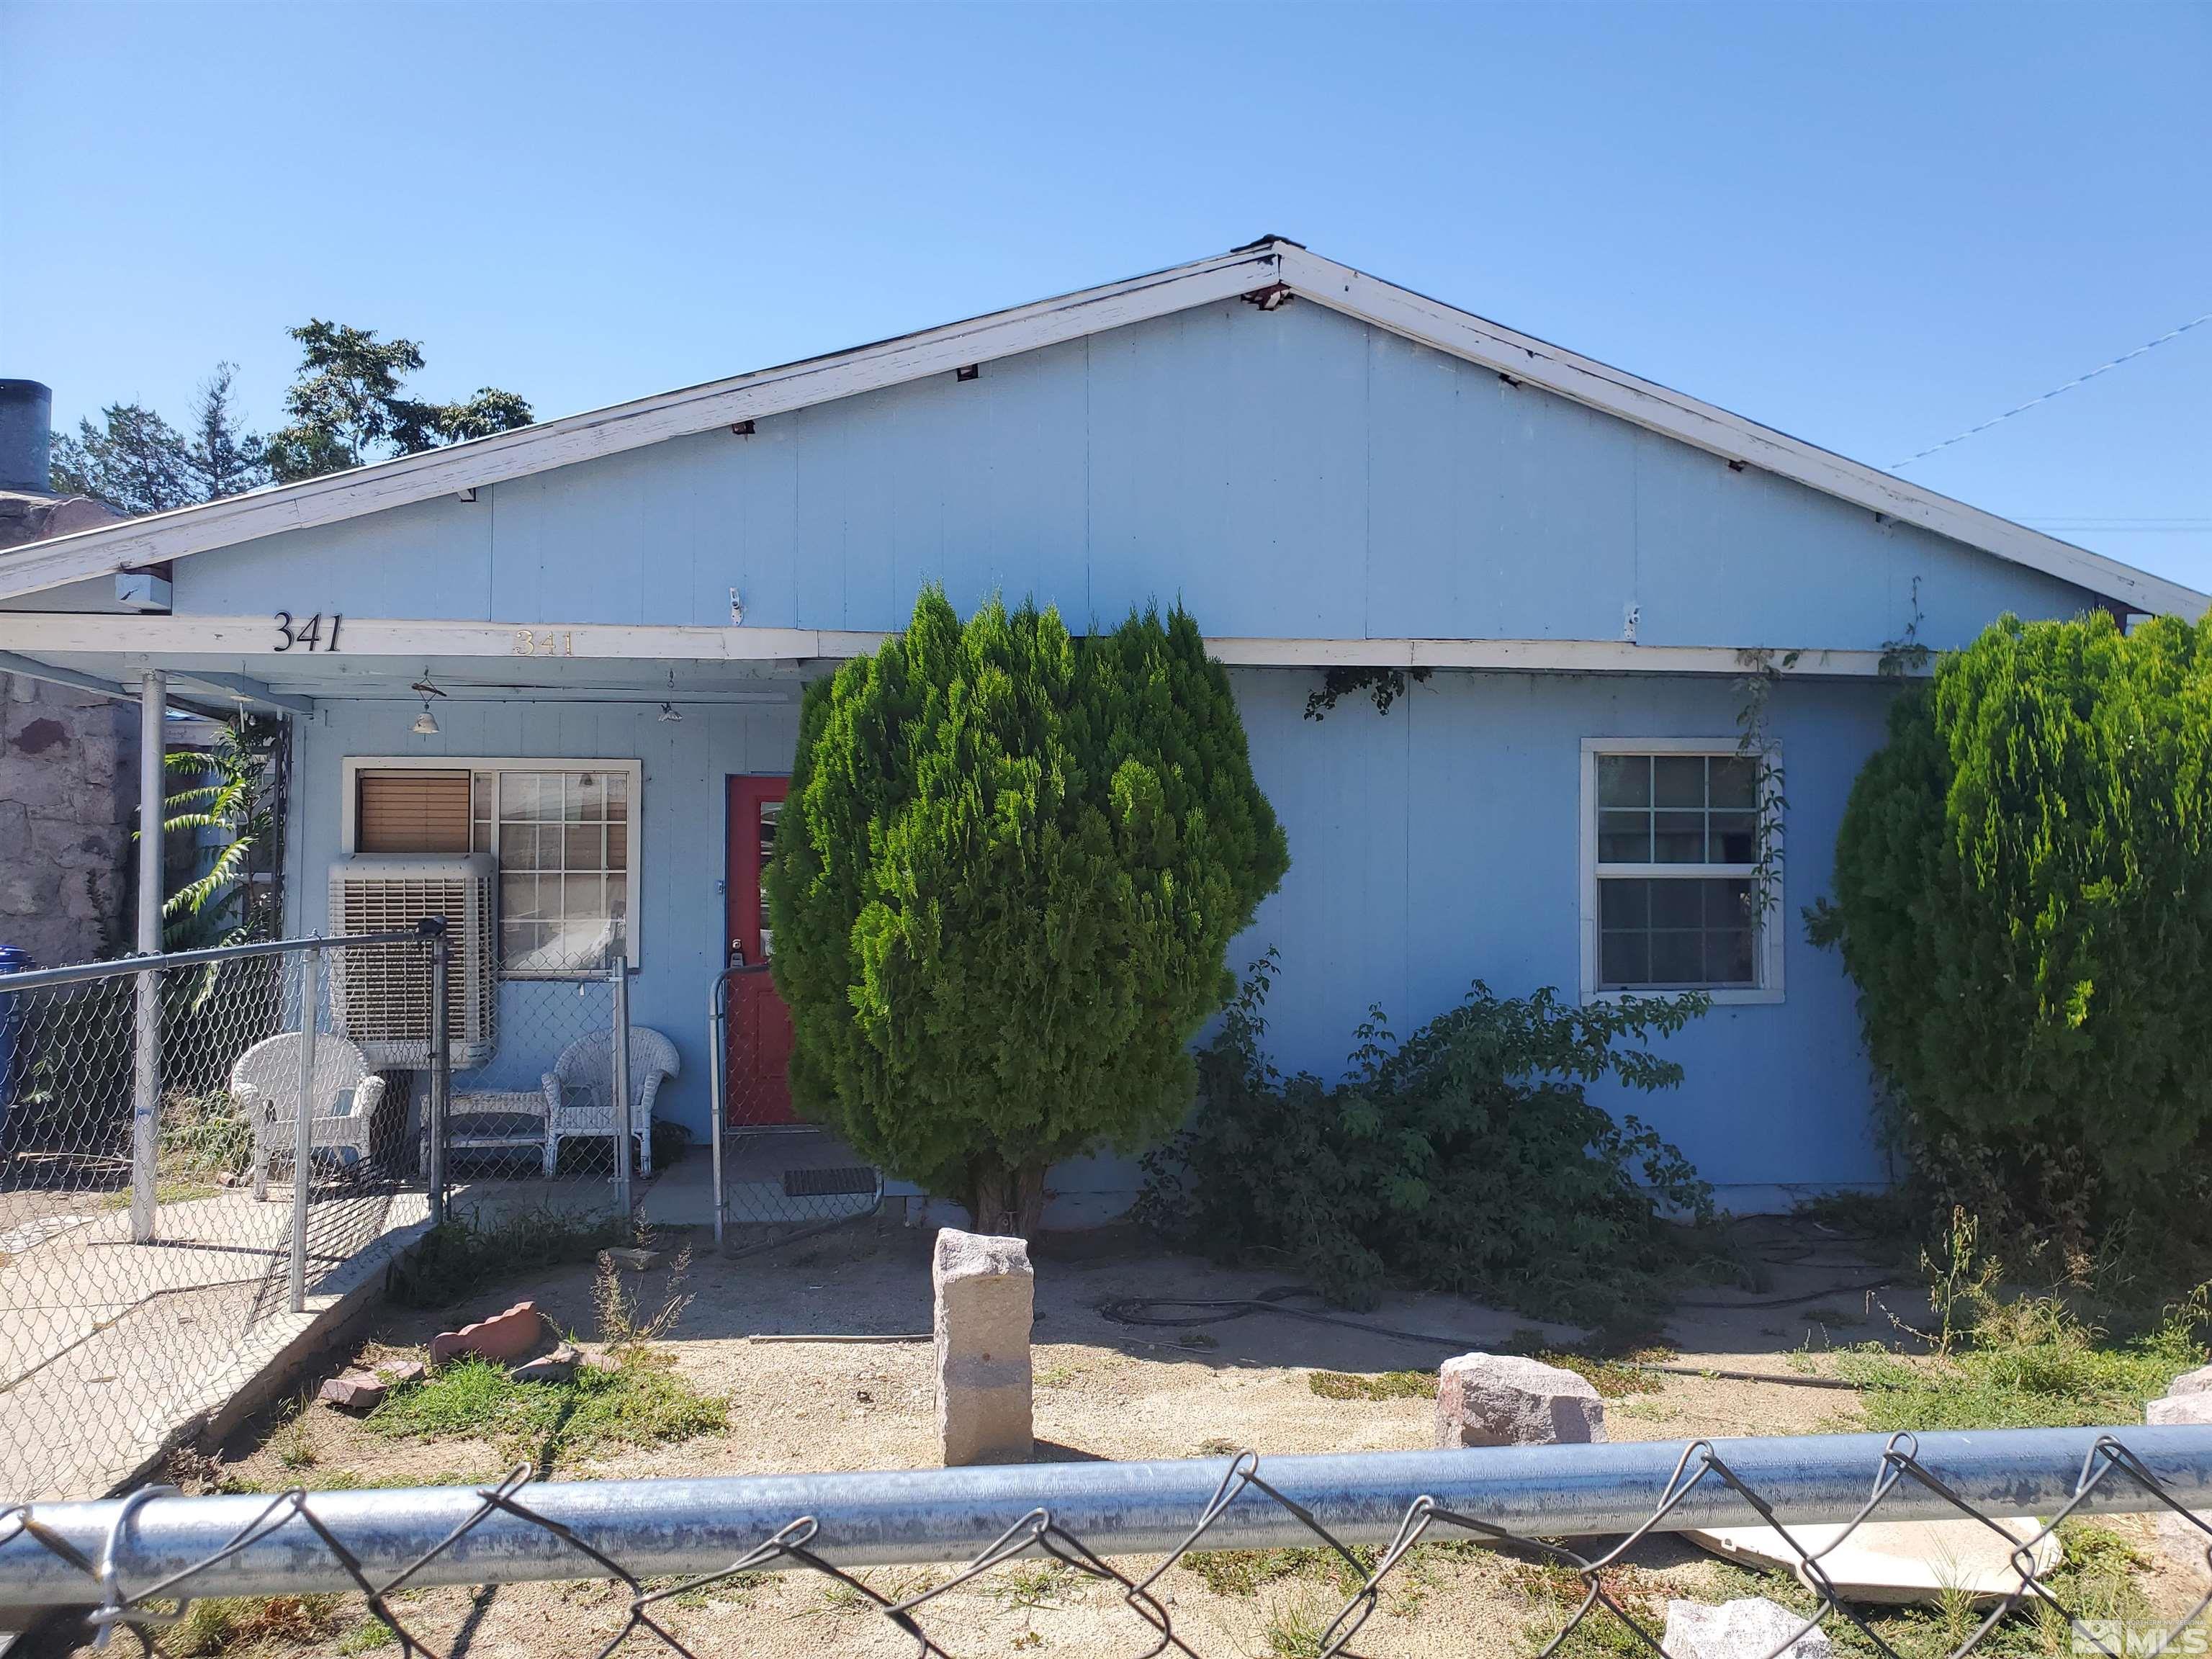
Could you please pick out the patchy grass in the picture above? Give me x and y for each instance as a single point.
(227, 1623)
(643, 1402)
(1030, 1583)
(1379, 1385)
(1247, 1572)
(1614, 1378)
(2029, 1363)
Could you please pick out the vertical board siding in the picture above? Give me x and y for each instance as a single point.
(1291, 473)
(1429, 848)
(1436, 845)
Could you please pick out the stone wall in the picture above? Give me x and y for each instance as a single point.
(69, 790)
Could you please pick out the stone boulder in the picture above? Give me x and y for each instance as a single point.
(1749, 1629)
(1506, 1400)
(2186, 1408)
(2196, 1382)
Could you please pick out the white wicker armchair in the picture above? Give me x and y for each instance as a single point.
(579, 1091)
(266, 1081)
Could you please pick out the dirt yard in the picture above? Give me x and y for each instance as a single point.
(1106, 1390)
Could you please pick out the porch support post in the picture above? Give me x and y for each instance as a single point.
(146, 1091)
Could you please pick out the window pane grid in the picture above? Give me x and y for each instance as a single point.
(1676, 849)
(562, 838)
(1677, 809)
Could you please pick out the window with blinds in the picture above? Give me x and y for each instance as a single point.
(562, 835)
(411, 811)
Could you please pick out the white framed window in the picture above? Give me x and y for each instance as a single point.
(1674, 896)
(564, 832)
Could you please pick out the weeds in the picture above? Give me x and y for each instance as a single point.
(2032, 1362)
(620, 1327)
(641, 1402)
(460, 1258)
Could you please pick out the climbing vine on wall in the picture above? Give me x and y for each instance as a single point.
(1755, 743)
(1384, 685)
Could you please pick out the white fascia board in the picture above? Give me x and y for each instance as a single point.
(256, 639)
(585, 437)
(1659, 409)
(484, 461)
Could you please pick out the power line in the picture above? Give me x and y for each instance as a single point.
(2079, 379)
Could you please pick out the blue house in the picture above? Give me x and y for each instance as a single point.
(578, 649)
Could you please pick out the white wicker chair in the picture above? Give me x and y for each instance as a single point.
(579, 1091)
(266, 1081)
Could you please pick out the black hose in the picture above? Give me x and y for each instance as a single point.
(1137, 1311)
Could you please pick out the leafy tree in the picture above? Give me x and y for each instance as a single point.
(226, 787)
(137, 463)
(1005, 879)
(2023, 896)
(1467, 1158)
(348, 407)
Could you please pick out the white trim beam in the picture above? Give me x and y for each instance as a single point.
(240, 689)
(26, 668)
(371, 638)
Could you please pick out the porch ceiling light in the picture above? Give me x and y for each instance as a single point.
(426, 723)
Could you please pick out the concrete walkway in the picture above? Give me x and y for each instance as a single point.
(109, 1349)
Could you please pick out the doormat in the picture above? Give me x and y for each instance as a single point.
(828, 1183)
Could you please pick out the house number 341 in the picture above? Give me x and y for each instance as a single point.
(308, 636)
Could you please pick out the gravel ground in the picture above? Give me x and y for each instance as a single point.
(1103, 1390)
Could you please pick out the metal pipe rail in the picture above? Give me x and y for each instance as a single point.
(33, 979)
(233, 1545)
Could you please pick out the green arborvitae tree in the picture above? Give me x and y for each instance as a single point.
(1005, 881)
(2023, 896)
(348, 407)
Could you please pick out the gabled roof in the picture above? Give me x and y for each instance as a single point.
(1266, 270)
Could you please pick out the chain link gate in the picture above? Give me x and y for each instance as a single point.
(773, 1182)
(169, 1215)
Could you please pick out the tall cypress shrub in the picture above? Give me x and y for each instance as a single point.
(2023, 896)
(1007, 876)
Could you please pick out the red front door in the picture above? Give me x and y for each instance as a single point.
(760, 1025)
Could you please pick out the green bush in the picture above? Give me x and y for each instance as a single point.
(1465, 1159)
(2023, 896)
(1005, 879)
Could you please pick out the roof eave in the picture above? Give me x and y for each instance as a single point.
(884, 363)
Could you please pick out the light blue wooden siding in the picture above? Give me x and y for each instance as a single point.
(679, 842)
(1429, 848)
(1438, 844)
(1291, 473)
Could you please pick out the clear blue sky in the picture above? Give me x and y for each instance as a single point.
(1871, 227)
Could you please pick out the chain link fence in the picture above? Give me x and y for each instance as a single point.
(561, 1118)
(677, 1557)
(165, 1202)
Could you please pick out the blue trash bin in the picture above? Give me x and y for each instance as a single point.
(12, 961)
